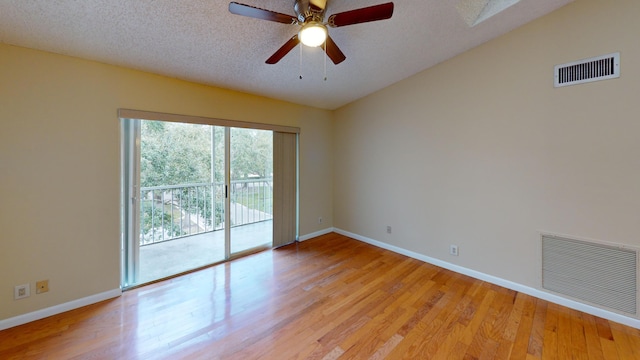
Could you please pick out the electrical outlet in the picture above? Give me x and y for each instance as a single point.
(320, 220)
(42, 286)
(453, 250)
(388, 229)
(21, 291)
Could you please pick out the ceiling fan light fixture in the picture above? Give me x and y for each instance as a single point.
(313, 34)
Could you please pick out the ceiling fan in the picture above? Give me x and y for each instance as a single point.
(310, 16)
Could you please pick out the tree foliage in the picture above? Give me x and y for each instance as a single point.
(174, 153)
(251, 153)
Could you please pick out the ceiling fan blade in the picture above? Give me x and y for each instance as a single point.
(254, 12)
(357, 16)
(284, 50)
(333, 51)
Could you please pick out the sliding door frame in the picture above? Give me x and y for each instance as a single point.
(130, 207)
(131, 169)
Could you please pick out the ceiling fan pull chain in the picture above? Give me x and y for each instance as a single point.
(325, 61)
(300, 62)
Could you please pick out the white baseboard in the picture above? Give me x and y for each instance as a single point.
(57, 309)
(315, 234)
(501, 282)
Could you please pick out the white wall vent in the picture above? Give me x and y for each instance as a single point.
(595, 273)
(588, 70)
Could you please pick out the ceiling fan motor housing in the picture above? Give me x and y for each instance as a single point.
(308, 10)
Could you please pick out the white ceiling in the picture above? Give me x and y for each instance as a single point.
(200, 41)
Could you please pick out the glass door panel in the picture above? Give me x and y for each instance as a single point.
(250, 189)
(181, 198)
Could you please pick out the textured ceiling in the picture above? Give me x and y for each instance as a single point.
(200, 41)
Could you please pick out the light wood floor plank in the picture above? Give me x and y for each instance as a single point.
(330, 298)
(536, 339)
(594, 348)
(564, 333)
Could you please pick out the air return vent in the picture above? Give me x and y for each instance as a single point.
(595, 273)
(588, 70)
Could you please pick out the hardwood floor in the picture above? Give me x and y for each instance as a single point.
(327, 298)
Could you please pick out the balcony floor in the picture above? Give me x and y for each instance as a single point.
(172, 257)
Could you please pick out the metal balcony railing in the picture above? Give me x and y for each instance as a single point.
(174, 211)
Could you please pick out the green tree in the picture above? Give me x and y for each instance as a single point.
(173, 154)
(251, 153)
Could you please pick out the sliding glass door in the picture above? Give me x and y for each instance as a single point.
(193, 195)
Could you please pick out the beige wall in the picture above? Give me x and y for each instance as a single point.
(481, 151)
(60, 166)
